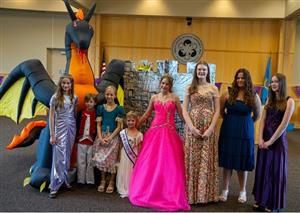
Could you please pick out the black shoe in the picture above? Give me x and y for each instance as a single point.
(52, 194)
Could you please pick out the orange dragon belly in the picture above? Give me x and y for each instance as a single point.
(84, 81)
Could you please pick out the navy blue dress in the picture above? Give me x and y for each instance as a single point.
(236, 141)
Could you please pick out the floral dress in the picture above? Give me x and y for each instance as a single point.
(105, 156)
(201, 156)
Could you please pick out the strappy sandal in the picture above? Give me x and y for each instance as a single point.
(242, 197)
(111, 187)
(101, 187)
(224, 195)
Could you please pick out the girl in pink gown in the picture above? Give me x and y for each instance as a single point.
(158, 177)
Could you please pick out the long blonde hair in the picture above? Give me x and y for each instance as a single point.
(60, 92)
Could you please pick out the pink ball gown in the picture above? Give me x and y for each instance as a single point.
(158, 177)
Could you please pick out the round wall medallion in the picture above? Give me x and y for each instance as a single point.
(187, 48)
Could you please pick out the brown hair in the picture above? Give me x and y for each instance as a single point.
(193, 88)
(170, 79)
(90, 96)
(249, 97)
(281, 102)
(60, 92)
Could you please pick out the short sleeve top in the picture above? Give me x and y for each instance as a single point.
(109, 119)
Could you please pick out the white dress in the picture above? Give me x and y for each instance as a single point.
(125, 165)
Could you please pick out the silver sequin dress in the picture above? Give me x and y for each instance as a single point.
(65, 132)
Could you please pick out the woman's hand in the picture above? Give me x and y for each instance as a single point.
(261, 144)
(195, 132)
(267, 144)
(207, 133)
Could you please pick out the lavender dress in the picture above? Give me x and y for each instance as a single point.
(271, 168)
(65, 130)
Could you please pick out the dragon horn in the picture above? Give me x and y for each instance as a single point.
(90, 13)
(71, 13)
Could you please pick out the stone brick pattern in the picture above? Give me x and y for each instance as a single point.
(139, 87)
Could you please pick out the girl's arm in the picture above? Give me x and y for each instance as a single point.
(179, 109)
(99, 131)
(185, 113)
(223, 100)
(51, 126)
(148, 112)
(213, 123)
(283, 125)
(187, 118)
(257, 108)
(261, 128)
(115, 132)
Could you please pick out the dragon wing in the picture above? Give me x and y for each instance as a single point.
(26, 91)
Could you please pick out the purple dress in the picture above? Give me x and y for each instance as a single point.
(65, 130)
(271, 168)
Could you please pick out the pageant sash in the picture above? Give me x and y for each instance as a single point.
(127, 147)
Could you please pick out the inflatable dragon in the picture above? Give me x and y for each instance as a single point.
(30, 86)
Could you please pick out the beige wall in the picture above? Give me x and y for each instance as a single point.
(27, 35)
(34, 5)
(291, 6)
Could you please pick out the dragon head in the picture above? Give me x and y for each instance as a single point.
(79, 31)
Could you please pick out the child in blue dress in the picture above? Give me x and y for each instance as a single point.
(106, 147)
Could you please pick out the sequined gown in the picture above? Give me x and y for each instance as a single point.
(65, 131)
(158, 177)
(201, 156)
(271, 168)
